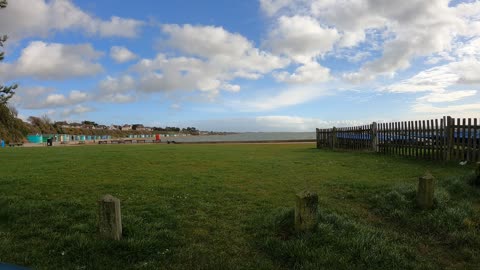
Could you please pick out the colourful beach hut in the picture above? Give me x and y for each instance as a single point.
(35, 139)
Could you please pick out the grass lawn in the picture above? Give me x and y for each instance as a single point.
(230, 207)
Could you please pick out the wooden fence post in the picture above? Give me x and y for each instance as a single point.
(449, 134)
(318, 138)
(334, 137)
(374, 137)
(306, 204)
(109, 218)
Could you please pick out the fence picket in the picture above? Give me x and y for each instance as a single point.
(397, 131)
(469, 140)
(437, 142)
(474, 143)
(399, 139)
(409, 136)
(464, 136)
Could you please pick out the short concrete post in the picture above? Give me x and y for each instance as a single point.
(425, 191)
(306, 204)
(109, 218)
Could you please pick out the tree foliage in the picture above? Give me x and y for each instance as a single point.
(12, 129)
(6, 92)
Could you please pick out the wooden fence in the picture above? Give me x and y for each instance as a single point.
(438, 139)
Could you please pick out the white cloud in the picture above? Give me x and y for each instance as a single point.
(468, 70)
(222, 48)
(215, 58)
(421, 28)
(122, 54)
(38, 18)
(121, 84)
(447, 96)
(118, 98)
(27, 97)
(408, 29)
(430, 80)
(231, 87)
(54, 61)
(271, 7)
(34, 98)
(206, 41)
(458, 110)
(286, 98)
(311, 72)
(60, 100)
(440, 78)
(117, 90)
(119, 27)
(78, 109)
(301, 38)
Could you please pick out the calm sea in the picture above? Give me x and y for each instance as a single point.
(249, 136)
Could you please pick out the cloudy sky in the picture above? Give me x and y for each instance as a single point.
(250, 65)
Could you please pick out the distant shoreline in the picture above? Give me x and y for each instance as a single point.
(177, 142)
(249, 142)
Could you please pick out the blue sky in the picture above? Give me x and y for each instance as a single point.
(253, 65)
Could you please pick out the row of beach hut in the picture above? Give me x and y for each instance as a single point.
(65, 138)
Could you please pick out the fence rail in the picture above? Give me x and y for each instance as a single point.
(436, 139)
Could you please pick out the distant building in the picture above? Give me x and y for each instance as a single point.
(76, 125)
(138, 127)
(126, 127)
(62, 124)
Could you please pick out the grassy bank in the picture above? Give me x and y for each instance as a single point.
(229, 207)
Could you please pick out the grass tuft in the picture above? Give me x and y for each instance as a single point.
(340, 242)
(452, 220)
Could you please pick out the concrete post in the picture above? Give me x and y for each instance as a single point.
(306, 204)
(109, 218)
(425, 191)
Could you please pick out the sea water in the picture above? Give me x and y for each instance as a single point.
(248, 136)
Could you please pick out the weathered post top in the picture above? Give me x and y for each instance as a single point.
(307, 194)
(108, 198)
(428, 176)
(306, 204)
(109, 217)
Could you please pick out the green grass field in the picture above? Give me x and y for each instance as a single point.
(230, 207)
